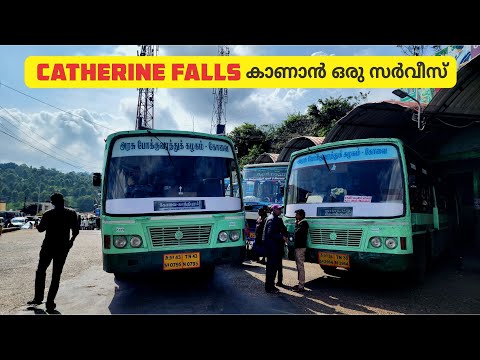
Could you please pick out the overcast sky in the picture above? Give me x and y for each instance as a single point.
(68, 126)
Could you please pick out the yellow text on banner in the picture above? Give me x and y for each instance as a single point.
(240, 71)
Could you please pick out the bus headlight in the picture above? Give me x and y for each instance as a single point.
(375, 242)
(222, 236)
(234, 235)
(391, 243)
(135, 241)
(119, 241)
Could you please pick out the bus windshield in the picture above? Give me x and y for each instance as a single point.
(360, 182)
(153, 180)
(262, 184)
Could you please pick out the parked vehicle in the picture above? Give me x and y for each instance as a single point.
(18, 222)
(28, 225)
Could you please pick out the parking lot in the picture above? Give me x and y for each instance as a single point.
(87, 289)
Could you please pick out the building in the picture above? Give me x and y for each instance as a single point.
(44, 206)
(449, 139)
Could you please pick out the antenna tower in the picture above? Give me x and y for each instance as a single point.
(145, 96)
(220, 97)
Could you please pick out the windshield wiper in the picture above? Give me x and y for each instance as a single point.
(328, 167)
(166, 148)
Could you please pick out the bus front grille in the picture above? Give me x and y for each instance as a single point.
(336, 237)
(180, 235)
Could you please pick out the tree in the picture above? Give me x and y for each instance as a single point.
(18, 181)
(85, 203)
(295, 125)
(333, 109)
(417, 50)
(245, 137)
(254, 152)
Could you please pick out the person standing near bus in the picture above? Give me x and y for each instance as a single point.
(57, 223)
(274, 239)
(260, 225)
(301, 235)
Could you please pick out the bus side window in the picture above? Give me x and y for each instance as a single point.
(419, 185)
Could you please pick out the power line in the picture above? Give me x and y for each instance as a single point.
(25, 143)
(65, 162)
(457, 126)
(65, 157)
(55, 107)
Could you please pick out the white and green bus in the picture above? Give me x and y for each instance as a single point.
(371, 204)
(262, 185)
(165, 205)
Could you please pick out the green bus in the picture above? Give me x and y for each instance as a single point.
(164, 203)
(262, 185)
(372, 204)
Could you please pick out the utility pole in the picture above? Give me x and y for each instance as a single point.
(38, 199)
(145, 95)
(220, 98)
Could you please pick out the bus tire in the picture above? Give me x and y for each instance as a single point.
(419, 271)
(208, 270)
(121, 276)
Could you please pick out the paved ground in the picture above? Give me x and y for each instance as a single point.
(87, 289)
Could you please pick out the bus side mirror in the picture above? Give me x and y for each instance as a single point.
(97, 179)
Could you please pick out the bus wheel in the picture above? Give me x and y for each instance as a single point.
(208, 270)
(419, 270)
(121, 276)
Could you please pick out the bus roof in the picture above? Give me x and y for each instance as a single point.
(343, 143)
(157, 132)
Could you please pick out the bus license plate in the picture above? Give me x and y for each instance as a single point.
(332, 259)
(181, 261)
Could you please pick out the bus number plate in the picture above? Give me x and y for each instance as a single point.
(181, 261)
(332, 259)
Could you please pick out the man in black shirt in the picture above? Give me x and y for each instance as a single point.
(260, 225)
(301, 236)
(274, 240)
(57, 223)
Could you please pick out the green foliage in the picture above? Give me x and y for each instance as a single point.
(21, 183)
(418, 50)
(245, 136)
(254, 152)
(318, 120)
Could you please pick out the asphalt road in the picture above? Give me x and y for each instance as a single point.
(86, 289)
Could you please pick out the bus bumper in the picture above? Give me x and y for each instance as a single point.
(370, 261)
(153, 261)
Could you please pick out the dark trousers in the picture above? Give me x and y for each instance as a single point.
(58, 255)
(274, 267)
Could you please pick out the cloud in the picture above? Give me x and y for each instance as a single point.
(247, 50)
(321, 53)
(76, 140)
(380, 94)
(126, 50)
(266, 106)
(365, 52)
(67, 142)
